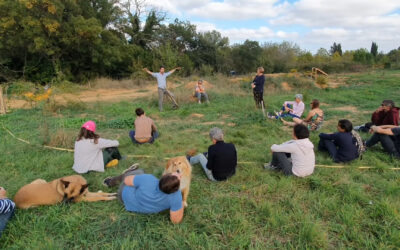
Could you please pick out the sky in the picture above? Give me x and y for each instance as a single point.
(311, 24)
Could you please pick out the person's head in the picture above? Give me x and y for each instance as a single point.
(169, 183)
(260, 70)
(387, 105)
(300, 132)
(162, 69)
(87, 131)
(298, 98)
(314, 104)
(139, 111)
(216, 134)
(3, 192)
(200, 82)
(345, 125)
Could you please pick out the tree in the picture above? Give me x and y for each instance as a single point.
(336, 48)
(374, 49)
(246, 56)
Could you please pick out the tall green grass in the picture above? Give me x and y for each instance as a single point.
(257, 209)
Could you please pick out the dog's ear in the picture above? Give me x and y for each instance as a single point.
(83, 188)
(65, 183)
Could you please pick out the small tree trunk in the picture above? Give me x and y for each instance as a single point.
(3, 109)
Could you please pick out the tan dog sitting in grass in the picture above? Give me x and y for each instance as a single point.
(69, 188)
(181, 165)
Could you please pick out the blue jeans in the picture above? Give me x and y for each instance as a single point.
(200, 158)
(287, 114)
(154, 135)
(200, 95)
(4, 218)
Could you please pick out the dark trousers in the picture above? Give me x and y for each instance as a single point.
(328, 145)
(4, 218)
(387, 141)
(120, 179)
(281, 161)
(110, 154)
(258, 98)
(154, 135)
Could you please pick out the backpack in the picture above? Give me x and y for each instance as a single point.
(359, 143)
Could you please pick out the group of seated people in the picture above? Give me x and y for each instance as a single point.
(144, 193)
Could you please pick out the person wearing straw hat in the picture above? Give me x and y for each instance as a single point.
(92, 153)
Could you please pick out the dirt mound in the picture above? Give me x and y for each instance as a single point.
(192, 85)
(286, 86)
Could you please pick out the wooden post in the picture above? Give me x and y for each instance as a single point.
(3, 108)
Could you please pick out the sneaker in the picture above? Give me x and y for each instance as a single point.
(270, 116)
(269, 166)
(106, 181)
(131, 168)
(278, 115)
(112, 163)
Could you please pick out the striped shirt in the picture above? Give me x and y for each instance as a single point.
(6, 206)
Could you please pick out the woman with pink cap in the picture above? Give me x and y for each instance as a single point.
(92, 153)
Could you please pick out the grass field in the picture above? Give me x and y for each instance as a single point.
(255, 209)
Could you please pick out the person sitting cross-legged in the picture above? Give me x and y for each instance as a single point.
(145, 130)
(294, 157)
(144, 193)
(388, 136)
(222, 158)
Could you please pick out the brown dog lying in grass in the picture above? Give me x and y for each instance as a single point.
(181, 165)
(69, 188)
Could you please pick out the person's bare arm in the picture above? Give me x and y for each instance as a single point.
(148, 71)
(129, 180)
(3, 193)
(381, 130)
(176, 216)
(309, 116)
(177, 68)
(387, 126)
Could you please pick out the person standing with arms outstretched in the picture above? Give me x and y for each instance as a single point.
(162, 86)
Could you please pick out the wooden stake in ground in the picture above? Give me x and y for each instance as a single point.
(263, 108)
(3, 108)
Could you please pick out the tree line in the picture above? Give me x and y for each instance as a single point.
(53, 40)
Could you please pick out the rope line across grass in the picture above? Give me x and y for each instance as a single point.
(167, 158)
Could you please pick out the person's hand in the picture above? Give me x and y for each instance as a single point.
(3, 193)
(253, 85)
(374, 129)
(145, 69)
(178, 68)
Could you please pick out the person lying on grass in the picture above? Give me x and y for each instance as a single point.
(386, 114)
(7, 208)
(219, 163)
(314, 119)
(145, 130)
(388, 136)
(92, 153)
(292, 109)
(144, 193)
(294, 157)
(341, 145)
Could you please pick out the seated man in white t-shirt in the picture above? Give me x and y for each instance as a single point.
(295, 156)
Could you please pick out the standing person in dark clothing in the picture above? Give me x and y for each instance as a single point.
(258, 87)
(386, 114)
(222, 158)
(341, 146)
(388, 136)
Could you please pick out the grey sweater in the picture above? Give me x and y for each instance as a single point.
(89, 156)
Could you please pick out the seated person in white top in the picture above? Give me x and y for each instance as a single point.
(293, 109)
(300, 150)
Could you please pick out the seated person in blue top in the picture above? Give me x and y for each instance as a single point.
(222, 158)
(6, 209)
(341, 145)
(144, 193)
(388, 136)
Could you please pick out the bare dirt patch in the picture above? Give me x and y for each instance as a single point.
(213, 123)
(285, 86)
(195, 115)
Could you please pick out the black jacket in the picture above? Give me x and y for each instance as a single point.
(222, 160)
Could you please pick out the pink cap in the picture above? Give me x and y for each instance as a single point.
(90, 125)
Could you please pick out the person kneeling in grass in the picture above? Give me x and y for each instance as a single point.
(295, 156)
(144, 193)
(7, 207)
(341, 145)
(388, 136)
(222, 158)
(145, 130)
(92, 153)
